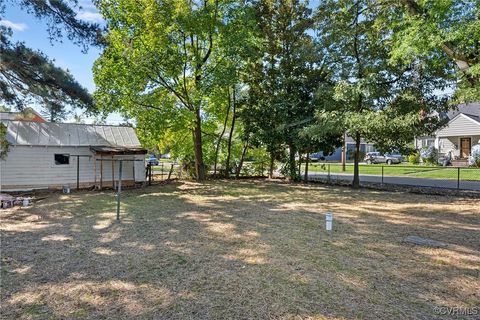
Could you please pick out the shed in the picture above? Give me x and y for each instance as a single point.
(51, 155)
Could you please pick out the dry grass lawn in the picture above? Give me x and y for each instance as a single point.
(246, 250)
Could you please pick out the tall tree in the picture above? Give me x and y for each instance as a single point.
(373, 99)
(283, 79)
(28, 75)
(166, 50)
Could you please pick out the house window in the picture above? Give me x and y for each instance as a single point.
(370, 148)
(428, 142)
(62, 159)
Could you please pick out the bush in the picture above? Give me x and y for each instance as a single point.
(259, 167)
(429, 155)
(414, 158)
(474, 159)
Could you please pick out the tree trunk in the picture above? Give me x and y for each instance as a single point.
(291, 161)
(305, 178)
(272, 163)
(299, 164)
(356, 175)
(240, 165)
(230, 136)
(170, 172)
(217, 148)
(197, 142)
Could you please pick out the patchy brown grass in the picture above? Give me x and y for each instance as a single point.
(244, 249)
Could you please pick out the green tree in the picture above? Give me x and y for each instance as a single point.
(444, 31)
(27, 75)
(282, 80)
(162, 58)
(372, 99)
(4, 144)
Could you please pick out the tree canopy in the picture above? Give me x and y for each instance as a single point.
(27, 75)
(217, 80)
(446, 32)
(164, 59)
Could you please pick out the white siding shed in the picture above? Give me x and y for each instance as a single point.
(48, 155)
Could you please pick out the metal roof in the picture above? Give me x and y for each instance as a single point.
(28, 133)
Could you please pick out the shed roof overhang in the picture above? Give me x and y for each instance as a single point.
(112, 151)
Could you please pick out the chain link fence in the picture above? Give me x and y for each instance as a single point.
(164, 171)
(460, 178)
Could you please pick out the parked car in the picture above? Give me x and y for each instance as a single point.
(152, 160)
(377, 157)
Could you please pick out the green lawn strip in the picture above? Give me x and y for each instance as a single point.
(404, 170)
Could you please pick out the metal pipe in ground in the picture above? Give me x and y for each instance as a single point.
(119, 190)
(78, 172)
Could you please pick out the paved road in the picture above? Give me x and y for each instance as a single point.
(419, 182)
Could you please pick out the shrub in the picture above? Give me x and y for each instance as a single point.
(474, 159)
(259, 167)
(414, 158)
(429, 155)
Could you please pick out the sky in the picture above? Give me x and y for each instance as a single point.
(26, 28)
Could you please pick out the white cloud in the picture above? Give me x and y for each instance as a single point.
(90, 16)
(13, 25)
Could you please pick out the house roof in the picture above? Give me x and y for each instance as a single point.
(475, 118)
(472, 109)
(28, 114)
(29, 133)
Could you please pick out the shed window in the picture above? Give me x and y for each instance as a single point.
(62, 159)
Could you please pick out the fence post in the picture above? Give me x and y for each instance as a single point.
(162, 171)
(458, 178)
(149, 172)
(78, 173)
(382, 174)
(119, 191)
(329, 173)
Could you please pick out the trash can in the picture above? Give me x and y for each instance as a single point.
(66, 188)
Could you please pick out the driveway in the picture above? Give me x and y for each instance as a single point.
(419, 182)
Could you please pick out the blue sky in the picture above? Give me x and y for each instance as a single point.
(33, 32)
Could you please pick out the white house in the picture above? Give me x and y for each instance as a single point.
(51, 155)
(459, 135)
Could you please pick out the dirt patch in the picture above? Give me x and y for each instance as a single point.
(239, 249)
